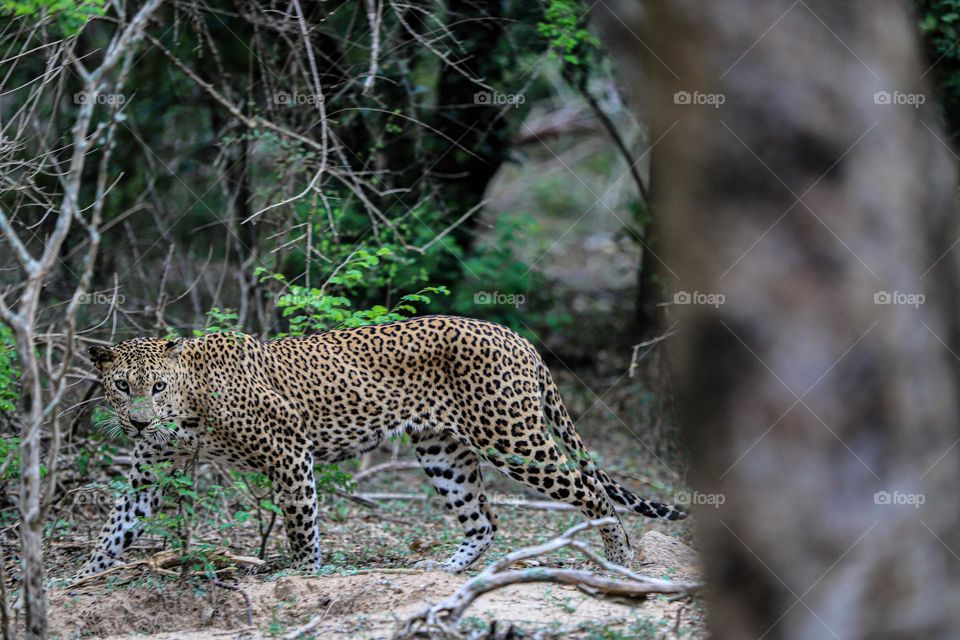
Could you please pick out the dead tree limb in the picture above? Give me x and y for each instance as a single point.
(311, 625)
(244, 594)
(441, 619)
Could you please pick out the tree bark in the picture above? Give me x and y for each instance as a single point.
(820, 398)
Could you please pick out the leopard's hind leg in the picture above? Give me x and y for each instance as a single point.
(538, 462)
(454, 471)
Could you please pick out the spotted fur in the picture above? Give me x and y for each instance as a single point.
(464, 390)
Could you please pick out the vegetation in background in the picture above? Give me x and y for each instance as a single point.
(9, 371)
(70, 16)
(939, 23)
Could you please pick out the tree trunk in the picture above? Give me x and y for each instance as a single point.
(798, 178)
(31, 520)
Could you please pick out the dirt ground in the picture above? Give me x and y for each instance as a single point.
(370, 604)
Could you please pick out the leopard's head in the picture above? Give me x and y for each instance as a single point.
(145, 381)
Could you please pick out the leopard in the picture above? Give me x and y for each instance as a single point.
(463, 390)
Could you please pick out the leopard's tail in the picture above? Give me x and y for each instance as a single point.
(556, 413)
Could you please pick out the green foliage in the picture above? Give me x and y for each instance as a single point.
(70, 15)
(98, 451)
(387, 268)
(939, 23)
(219, 321)
(564, 26)
(189, 503)
(10, 450)
(331, 478)
(311, 309)
(187, 507)
(9, 371)
(499, 285)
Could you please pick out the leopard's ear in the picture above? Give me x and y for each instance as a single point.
(101, 356)
(173, 349)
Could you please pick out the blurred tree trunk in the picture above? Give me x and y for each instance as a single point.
(825, 423)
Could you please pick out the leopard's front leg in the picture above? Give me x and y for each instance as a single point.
(278, 448)
(296, 491)
(123, 526)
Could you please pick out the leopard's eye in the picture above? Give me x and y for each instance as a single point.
(160, 386)
(123, 386)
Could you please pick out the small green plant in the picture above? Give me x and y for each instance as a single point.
(563, 602)
(219, 321)
(311, 309)
(10, 455)
(9, 370)
(187, 508)
(98, 450)
(564, 26)
(192, 506)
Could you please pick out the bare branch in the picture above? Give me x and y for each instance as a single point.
(441, 619)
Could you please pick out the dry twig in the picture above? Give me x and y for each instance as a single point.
(310, 626)
(246, 597)
(441, 619)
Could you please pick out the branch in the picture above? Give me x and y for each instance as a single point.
(310, 626)
(29, 264)
(611, 131)
(374, 18)
(130, 36)
(442, 618)
(246, 597)
(251, 122)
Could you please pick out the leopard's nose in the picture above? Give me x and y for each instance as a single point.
(138, 425)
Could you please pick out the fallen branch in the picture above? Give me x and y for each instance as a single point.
(399, 465)
(541, 505)
(441, 619)
(103, 574)
(310, 626)
(246, 597)
(165, 561)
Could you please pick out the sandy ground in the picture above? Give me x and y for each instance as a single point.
(366, 605)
